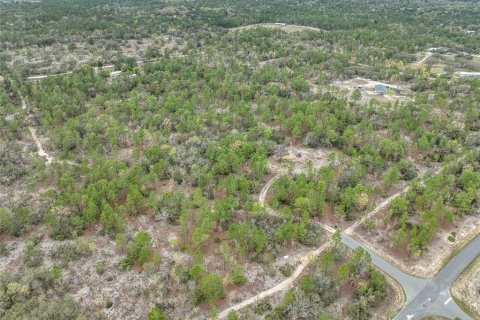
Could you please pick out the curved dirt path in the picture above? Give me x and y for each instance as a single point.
(284, 285)
(40, 151)
(413, 287)
(382, 205)
(288, 282)
(263, 195)
(48, 159)
(304, 260)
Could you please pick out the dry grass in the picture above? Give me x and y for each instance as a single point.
(467, 288)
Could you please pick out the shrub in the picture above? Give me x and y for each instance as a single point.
(262, 307)
(313, 236)
(391, 176)
(237, 276)
(33, 254)
(63, 309)
(6, 225)
(12, 163)
(139, 250)
(196, 271)
(407, 169)
(4, 250)
(155, 314)
(307, 285)
(110, 219)
(300, 85)
(71, 251)
(169, 207)
(101, 267)
(286, 270)
(325, 286)
(210, 289)
(14, 223)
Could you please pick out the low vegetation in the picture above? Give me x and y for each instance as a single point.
(151, 182)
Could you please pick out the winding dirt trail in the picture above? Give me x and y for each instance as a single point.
(40, 151)
(310, 256)
(288, 282)
(48, 159)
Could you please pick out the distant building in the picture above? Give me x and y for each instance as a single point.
(466, 74)
(115, 74)
(437, 49)
(281, 24)
(380, 89)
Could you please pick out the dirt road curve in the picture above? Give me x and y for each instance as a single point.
(284, 285)
(304, 261)
(40, 150)
(424, 296)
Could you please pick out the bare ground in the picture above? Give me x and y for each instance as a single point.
(135, 291)
(385, 311)
(57, 58)
(288, 28)
(296, 159)
(366, 87)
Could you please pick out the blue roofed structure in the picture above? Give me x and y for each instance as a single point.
(380, 89)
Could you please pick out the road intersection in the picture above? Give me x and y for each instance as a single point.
(427, 296)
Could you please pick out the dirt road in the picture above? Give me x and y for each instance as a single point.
(416, 289)
(40, 150)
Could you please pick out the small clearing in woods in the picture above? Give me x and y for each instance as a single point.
(467, 287)
(367, 86)
(285, 27)
(297, 159)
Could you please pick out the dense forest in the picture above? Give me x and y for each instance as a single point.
(149, 177)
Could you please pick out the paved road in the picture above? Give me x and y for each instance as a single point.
(427, 296)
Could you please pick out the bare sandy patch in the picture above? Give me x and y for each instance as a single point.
(290, 28)
(367, 86)
(296, 159)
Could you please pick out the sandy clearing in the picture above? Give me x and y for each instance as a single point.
(40, 151)
(290, 28)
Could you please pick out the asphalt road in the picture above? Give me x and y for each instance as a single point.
(427, 296)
